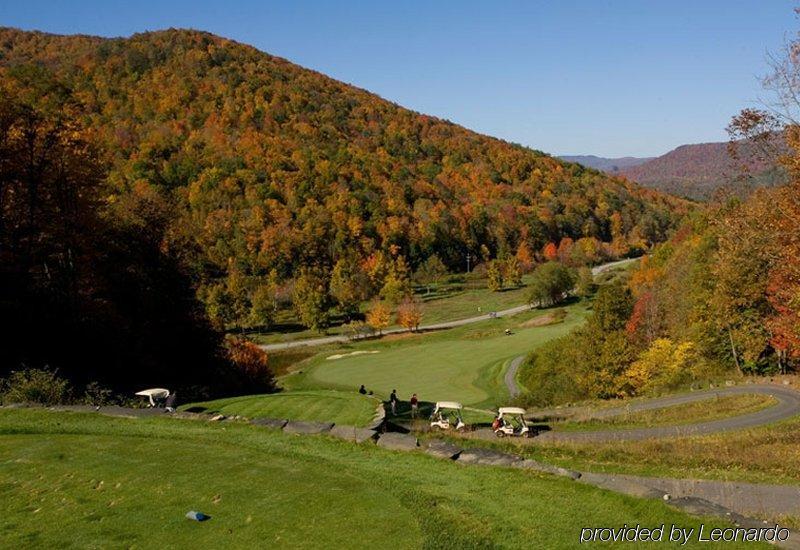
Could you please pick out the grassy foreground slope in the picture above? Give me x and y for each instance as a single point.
(323, 406)
(464, 364)
(85, 480)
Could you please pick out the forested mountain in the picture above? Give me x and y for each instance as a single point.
(268, 172)
(697, 171)
(610, 165)
(231, 182)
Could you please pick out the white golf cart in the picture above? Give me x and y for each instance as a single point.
(446, 415)
(510, 421)
(157, 396)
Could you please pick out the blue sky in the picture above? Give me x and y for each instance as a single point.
(606, 77)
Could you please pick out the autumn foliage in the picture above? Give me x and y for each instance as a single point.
(409, 314)
(251, 363)
(261, 169)
(379, 315)
(550, 252)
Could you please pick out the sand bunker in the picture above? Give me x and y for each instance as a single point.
(352, 353)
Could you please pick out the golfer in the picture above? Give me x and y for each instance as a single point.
(393, 402)
(414, 402)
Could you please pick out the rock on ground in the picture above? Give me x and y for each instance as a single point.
(442, 449)
(352, 433)
(297, 427)
(486, 457)
(622, 484)
(397, 441)
(529, 464)
(274, 423)
(379, 418)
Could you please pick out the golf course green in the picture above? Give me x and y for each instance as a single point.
(78, 480)
(349, 408)
(464, 364)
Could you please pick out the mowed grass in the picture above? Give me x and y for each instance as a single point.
(705, 410)
(349, 408)
(766, 454)
(445, 302)
(470, 301)
(80, 480)
(466, 295)
(464, 364)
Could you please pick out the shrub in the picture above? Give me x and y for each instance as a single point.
(35, 386)
(97, 395)
(358, 329)
(251, 365)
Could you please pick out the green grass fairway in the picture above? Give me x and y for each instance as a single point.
(340, 407)
(464, 364)
(445, 303)
(79, 480)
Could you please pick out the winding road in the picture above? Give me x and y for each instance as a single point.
(788, 406)
(437, 326)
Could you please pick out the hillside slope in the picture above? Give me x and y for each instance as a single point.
(697, 171)
(261, 168)
(255, 143)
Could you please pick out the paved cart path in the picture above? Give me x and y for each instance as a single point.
(788, 405)
(511, 376)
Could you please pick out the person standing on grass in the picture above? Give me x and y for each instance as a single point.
(393, 402)
(414, 402)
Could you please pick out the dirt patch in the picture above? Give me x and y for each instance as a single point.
(549, 319)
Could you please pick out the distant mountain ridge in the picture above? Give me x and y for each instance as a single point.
(699, 170)
(609, 165)
(696, 171)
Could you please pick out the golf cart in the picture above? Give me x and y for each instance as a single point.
(157, 396)
(510, 421)
(446, 415)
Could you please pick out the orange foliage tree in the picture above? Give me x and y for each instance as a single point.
(550, 252)
(251, 362)
(409, 314)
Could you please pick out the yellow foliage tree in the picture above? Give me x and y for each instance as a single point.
(379, 315)
(664, 364)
